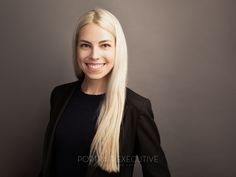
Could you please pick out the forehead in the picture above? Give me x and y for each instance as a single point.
(94, 33)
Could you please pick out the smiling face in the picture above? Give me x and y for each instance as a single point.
(95, 51)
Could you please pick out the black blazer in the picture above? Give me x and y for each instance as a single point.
(138, 136)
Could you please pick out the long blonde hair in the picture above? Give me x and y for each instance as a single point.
(105, 144)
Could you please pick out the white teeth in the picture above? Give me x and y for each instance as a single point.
(95, 66)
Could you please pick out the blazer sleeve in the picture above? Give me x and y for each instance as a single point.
(47, 134)
(149, 151)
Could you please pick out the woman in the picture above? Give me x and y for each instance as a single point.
(97, 125)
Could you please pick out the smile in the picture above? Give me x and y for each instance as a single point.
(95, 66)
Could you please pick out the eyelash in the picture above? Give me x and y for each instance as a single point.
(106, 45)
(87, 45)
(84, 45)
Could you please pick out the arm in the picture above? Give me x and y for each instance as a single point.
(46, 135)
(148, 147)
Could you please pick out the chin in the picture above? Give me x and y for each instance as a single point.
(95, 76)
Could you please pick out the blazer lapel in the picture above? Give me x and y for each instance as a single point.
(91, 169)
(49, 154)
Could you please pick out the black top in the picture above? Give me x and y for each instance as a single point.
(74, 134)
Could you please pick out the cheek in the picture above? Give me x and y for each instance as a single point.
(81, 55)
(79, 59)
(111, 56)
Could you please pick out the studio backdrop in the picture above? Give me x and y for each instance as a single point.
(182, 56)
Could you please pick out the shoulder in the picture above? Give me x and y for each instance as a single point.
(136, 100)
(63, 90)
(68, 85)
(65, 87)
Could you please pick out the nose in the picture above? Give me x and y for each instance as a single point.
(95, 54)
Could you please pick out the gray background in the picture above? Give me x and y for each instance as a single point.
(181, 56)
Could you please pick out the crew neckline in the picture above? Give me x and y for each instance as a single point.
(91, 95)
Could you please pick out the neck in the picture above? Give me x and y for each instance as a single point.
(94, 86)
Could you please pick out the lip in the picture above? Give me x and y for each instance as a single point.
(95, 63)
(94, 67)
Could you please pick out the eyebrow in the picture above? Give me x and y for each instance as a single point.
(91, 43)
